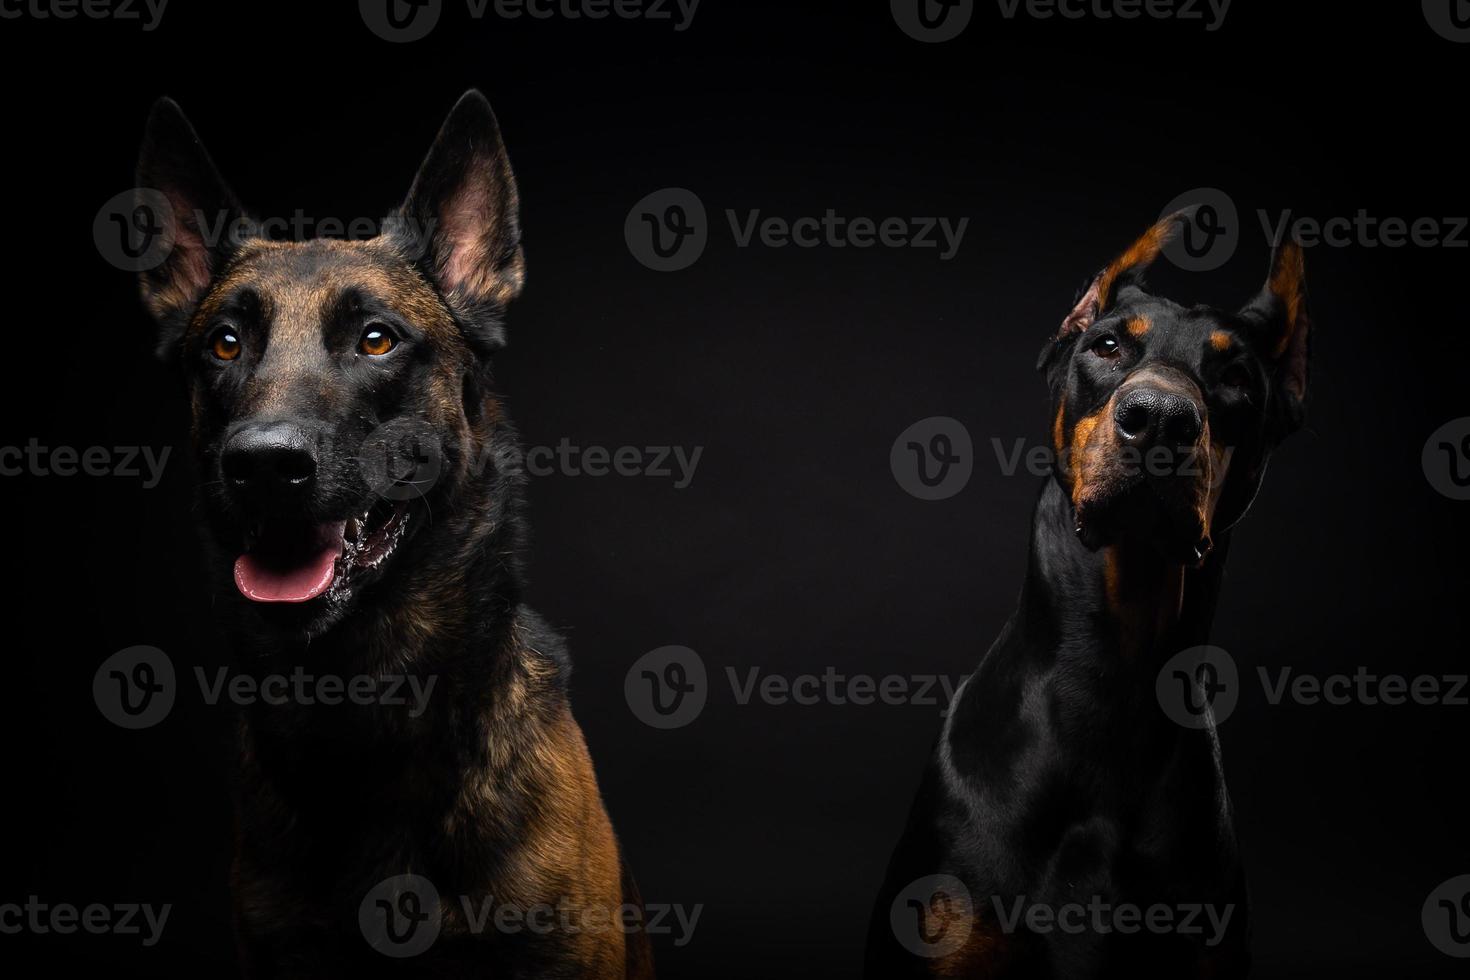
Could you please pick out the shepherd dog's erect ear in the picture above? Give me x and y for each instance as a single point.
(1282, 328)
(197, 220)
(462, 220)
(1125, 270)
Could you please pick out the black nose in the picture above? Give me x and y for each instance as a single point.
(1148, 417)
(268, 459)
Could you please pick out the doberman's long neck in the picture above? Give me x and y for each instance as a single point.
(1123, 607)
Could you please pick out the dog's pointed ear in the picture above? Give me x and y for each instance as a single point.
(195, 217)
(1124, 271)
(461, 220)
(1282, 327)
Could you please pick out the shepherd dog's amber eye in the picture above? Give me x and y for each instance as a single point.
(376, 341)
(226, 346)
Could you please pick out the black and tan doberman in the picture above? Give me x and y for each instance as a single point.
(1066, 827)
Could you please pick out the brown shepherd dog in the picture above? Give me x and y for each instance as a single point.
(362, 489)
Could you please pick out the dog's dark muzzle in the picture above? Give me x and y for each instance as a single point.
(1151, 471)
(1159, 425)
(270, 466)
(1149, 416)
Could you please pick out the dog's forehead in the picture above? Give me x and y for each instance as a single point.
(1170, 328)
(302, 280)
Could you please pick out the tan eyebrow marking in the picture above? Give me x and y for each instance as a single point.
(1220, 340)
(1139, 325)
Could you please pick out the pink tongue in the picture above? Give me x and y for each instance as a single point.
(263, 582)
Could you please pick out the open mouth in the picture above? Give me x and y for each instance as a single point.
(298, 561)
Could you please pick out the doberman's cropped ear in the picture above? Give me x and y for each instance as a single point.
(1125, 270)
(1282, 326)
(461, 220)
(190, 216)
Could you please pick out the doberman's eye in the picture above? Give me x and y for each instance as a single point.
(377, 340)
(1236, 376)
(1107, 347)
(225, 346)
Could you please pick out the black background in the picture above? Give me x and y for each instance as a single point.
(794, 549)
